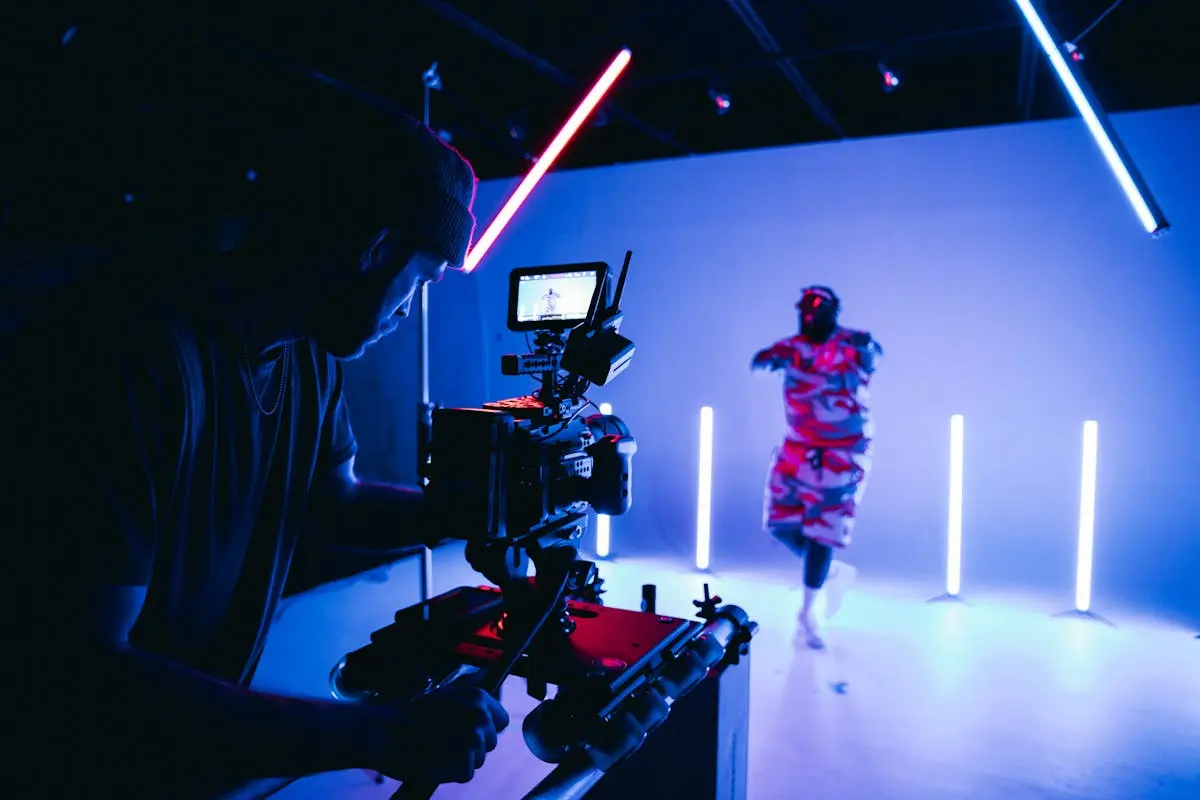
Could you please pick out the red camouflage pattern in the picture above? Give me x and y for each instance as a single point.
(819, 473)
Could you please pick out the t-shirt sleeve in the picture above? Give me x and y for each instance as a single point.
(338, 444)
(780, 352)
(867, 350)
(99, 426)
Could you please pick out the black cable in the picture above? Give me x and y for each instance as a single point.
(1097, 21)
(579, 411)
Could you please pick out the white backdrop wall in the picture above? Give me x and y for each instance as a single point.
(1002, 270)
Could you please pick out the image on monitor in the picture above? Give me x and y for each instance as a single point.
(555, 297)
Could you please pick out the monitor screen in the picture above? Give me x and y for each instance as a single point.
(555, 297)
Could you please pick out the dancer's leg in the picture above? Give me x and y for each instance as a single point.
(791, 537)
(817, 561)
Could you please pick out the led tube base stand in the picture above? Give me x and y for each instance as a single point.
(954, 520)
(946, 597)
(1089, 615)
(1087, 528)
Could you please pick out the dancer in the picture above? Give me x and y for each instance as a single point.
(819, 472)
(551, 298)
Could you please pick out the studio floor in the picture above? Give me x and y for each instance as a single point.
(910, 701)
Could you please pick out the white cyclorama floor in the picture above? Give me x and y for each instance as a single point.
(911, 701)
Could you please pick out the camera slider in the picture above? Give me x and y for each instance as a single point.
(468, 626)
(618, 672)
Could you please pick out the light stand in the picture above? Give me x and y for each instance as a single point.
(432, 81)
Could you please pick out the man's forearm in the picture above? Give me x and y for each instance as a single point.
(376, 516)
(769, 359)
(193, 721)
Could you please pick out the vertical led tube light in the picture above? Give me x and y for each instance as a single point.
(954, 527)
(603, 521)
(704, 490)
(1087, 517)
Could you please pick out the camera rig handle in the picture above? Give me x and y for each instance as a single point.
(621, 727)
(562, 571)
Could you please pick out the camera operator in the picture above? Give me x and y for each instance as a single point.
(174, 424)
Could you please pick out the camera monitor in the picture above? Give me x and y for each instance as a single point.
(554, 298)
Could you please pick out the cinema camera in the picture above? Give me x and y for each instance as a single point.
(518, 476)
(515, 480)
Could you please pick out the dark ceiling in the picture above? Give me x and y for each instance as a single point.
(517, 67)
(793, 70)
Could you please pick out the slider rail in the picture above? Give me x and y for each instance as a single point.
(578, 774)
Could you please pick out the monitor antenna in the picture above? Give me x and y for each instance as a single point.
(616, 301)
(594, 307)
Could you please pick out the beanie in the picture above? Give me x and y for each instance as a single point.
(823, 292)
(334, 177)
(437, 196)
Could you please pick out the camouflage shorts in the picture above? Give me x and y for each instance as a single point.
(817, 490)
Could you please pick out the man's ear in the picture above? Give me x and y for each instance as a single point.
(374, 249)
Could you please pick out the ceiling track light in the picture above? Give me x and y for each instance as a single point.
(721, 101)
(891, 81)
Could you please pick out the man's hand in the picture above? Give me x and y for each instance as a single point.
(864, 342)
(859, 339)
(443, 737)
(769, 359)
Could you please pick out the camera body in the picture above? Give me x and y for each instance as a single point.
(523, 472)
(512, 471)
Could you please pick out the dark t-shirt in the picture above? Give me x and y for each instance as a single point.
(139, 456)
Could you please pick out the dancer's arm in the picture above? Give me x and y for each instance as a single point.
(777, 356)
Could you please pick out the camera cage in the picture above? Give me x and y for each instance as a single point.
(523, 471)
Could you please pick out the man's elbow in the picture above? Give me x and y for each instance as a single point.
(338, 487)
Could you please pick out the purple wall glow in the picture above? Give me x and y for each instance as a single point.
(1002, 270)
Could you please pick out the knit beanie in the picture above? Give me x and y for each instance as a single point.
(824, 292)
(346, 179)
(436, 196)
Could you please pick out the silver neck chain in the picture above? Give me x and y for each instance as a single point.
(282, 360)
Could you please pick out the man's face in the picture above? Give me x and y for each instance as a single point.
(363, 309)
(818, 317)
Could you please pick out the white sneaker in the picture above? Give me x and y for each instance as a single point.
(812, 635)
(837, 585)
